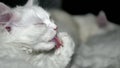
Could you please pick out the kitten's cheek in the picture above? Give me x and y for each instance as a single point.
(49, 35)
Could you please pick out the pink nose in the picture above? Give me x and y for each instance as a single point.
(8, 28)
(56, 28)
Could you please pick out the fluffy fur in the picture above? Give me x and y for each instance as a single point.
(28, 33)
(66, 23)
(14, 63)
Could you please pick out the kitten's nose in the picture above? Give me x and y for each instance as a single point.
(56, 28)
(51, 24)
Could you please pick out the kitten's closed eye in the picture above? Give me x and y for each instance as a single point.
(52, 20)
(39, 23)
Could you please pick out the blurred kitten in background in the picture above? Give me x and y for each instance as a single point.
(90, 25)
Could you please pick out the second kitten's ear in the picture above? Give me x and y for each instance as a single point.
(5, 13)
(31, 3)
(101, 19)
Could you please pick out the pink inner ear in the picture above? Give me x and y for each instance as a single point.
(102, 20)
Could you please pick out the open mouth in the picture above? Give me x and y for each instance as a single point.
(57, 41)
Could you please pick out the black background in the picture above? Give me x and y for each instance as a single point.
(111, 8)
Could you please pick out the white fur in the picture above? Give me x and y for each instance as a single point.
(58, 59)
(15, 63)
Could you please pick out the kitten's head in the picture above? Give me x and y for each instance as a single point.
(27, 24)
(93, 25)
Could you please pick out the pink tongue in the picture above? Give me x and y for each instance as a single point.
(58, 42)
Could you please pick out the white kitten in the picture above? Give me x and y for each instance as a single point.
(28, 33)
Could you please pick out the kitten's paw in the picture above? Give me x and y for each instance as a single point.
(66, 39)
(68, 44)
(28, 50)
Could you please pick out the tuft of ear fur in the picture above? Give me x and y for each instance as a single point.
(31, 3)
(102, 19)
(5, 13)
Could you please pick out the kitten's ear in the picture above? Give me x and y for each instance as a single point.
(5, 13)
(31, 3)
(102, 19)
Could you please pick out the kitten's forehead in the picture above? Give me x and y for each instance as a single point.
(35, 11)
(41, 13)
(34, 14)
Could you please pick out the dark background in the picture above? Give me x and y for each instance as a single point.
(111, 8)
